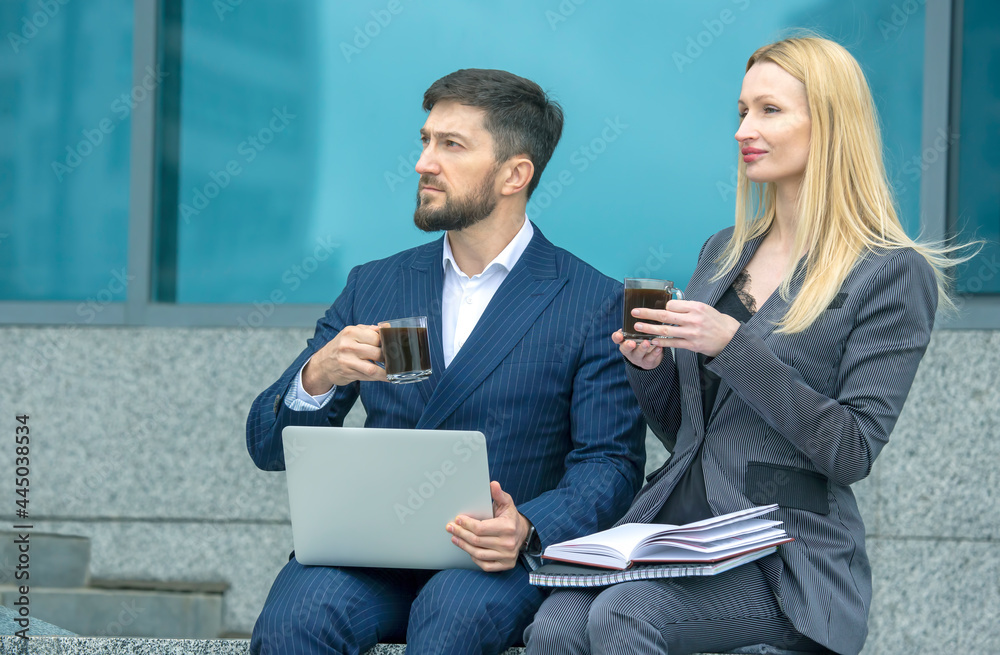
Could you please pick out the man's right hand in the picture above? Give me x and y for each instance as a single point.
(349, 357)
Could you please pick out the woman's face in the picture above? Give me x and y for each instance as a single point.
(774, 125)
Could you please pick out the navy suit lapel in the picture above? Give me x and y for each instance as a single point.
(523, 295)
(422, 281)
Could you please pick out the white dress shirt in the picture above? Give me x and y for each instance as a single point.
(463, 301)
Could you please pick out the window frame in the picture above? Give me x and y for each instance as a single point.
(941, 98)
(939, 184)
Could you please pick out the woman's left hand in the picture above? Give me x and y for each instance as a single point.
(690, 325)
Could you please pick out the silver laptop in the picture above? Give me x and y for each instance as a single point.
(382, 497)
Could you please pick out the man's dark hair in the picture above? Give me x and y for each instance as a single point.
(519, 115)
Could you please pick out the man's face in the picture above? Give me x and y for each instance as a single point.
(458, 170)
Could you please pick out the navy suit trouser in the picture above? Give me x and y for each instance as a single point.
(321, 609)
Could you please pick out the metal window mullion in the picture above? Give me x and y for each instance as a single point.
(240, 317)
(60, 313)
(936, 100)
(142, 162)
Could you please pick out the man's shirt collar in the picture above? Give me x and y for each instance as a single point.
(505, 260)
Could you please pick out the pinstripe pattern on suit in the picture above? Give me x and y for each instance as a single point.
(703, 614)
(796, 413)
(539, 376)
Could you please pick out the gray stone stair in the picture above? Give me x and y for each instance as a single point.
(120, 646)
(126, 612)
(12, 622)
(63, 594)
(56, 560)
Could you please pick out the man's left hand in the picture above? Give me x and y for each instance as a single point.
(495, 543)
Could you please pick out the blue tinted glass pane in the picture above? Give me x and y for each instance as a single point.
(642, 176)
(978, 211)
(65, 85)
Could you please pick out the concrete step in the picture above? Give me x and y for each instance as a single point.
(124, 612)
(56, 560)
(12, 622)
(189, 586)
(121, 646)
(80, 646)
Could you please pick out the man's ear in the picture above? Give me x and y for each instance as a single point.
(519, 171)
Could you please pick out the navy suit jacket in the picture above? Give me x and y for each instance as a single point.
(797, 419)
(539, 376)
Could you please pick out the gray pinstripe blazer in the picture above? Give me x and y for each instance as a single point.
(797, 419)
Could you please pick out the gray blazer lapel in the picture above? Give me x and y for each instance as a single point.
(523, 295)
(690, 383)
(703, 289)
(763, 323)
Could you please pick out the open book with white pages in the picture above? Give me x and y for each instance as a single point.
(715, 539)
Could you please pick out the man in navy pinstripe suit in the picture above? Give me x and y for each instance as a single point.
(518, 335)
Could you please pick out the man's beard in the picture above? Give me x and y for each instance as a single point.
(457, 214)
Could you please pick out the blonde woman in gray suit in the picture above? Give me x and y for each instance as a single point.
(796, 348)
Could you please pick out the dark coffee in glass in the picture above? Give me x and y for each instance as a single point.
(405, 349)
(647, 294)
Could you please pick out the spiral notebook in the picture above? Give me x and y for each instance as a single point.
(572, 575)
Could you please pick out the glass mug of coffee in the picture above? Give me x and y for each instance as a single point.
(405, 349)
(648, 294)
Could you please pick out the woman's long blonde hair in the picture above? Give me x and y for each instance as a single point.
(846, 205)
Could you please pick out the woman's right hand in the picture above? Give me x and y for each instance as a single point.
(646, 354)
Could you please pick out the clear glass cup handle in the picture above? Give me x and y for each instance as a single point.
(680, 294)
